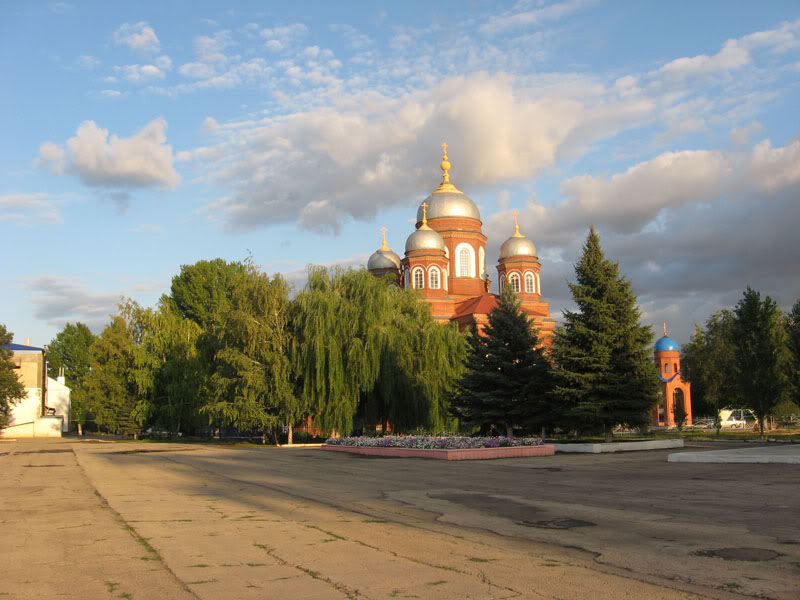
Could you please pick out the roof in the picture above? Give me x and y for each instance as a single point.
(481, 305)
(666, 344)
(22, 348)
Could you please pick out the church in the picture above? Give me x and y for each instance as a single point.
(445, 261)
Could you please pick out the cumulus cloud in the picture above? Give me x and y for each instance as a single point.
(140, 73)
(733, 55)
(142, 160)
(60, 300)
(742, 135)
(690, 229)
(322, 167)
(280, 37)
(28, 209)
(137, 36)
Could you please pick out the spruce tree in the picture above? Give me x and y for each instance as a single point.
(508, 380)
(605, 371)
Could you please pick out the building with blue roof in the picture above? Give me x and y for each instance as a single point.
(675, 391)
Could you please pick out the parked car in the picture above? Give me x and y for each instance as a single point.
(733, 418)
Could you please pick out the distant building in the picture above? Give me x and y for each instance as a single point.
(445, 260)
(674, 390)
(45, 410)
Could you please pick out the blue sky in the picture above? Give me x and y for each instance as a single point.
(140, 138)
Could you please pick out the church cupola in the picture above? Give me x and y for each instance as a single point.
(383, 260)
(425, 266)
(519, 265)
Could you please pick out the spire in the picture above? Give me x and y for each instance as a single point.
(424, 216)
(446, 186)
(515, 212)
(383, 243)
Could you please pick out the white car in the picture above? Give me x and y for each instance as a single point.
(730, 419)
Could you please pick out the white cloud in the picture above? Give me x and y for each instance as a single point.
(279, 37)
(529, 18)
(733, 55)
(137, 36)
(111, 94)
(742, 135)
(140, 73)
(87, 62)
(370, 151)
(28, 209)
(60, 300)
(142, 160)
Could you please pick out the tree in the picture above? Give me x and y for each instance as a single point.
(251, 386)
(120, 382)
(793, 342)
(761, 355)
(605, 371)
(680, 414)
(707, 362)
(202, 292)
(364, 347)
(70, 350)
(508, 379)
(11, 388)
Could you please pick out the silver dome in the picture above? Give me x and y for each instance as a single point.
(449, 204)
(425, 238)
(383, 259)
(517, 246)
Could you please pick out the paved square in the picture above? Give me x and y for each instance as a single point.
(134, 520)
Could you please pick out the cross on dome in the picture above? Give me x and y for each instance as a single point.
(383, 244)
(515, 212)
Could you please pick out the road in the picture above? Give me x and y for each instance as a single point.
(136, 520)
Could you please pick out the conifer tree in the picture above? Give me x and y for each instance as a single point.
(508, 380)
(606, 376)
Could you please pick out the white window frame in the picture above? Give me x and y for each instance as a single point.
(532, 276)
(481, 262)
(470, 266)
(514, 277)
(434, 271)
(502, 283)
(421, 272)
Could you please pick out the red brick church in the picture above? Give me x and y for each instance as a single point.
(445, 261)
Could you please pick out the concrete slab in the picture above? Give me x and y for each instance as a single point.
(619, 446)
(783, 454)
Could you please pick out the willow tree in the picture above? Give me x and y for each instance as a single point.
(251, 385)
(360, 343)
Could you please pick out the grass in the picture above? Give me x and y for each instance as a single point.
(736, 435)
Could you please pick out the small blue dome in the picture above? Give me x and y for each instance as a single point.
(666, 344)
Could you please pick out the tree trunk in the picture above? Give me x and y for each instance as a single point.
(135, 435)
(543, 431)
(761, 426)
(289, 435)
(509, 430)
(80, 429)
(609, 435)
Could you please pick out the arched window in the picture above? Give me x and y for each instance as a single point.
(433, 278)
(502, 283)
(530, 283)
(666, 367)
(481, 262)
(675, 367)
(405, 279)
(465, 259)
(419, 278)
(513, 281)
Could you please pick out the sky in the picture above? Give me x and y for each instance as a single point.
(141, 136)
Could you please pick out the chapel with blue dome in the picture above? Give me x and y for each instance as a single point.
(675, 391)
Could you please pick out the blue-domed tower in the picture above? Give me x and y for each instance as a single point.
(674, 389)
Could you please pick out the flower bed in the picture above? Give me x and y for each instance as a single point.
(443, 448)
(430, 442)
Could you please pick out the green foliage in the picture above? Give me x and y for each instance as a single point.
(120, 383)
(605, 371)
(202, 292)
(251, 386)
(70, 350)
(707, 361)
(361, 343)
(793, 343)
(679, 413)
(759, 371)
(11, 388)
(508, 379)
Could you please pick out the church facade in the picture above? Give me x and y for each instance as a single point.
(674, 390)
(445, 261)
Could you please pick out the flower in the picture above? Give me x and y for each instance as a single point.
(430, 442)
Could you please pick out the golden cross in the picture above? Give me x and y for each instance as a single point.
(384, 247)
(515, 212)
(444, 147)
(424, 213)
